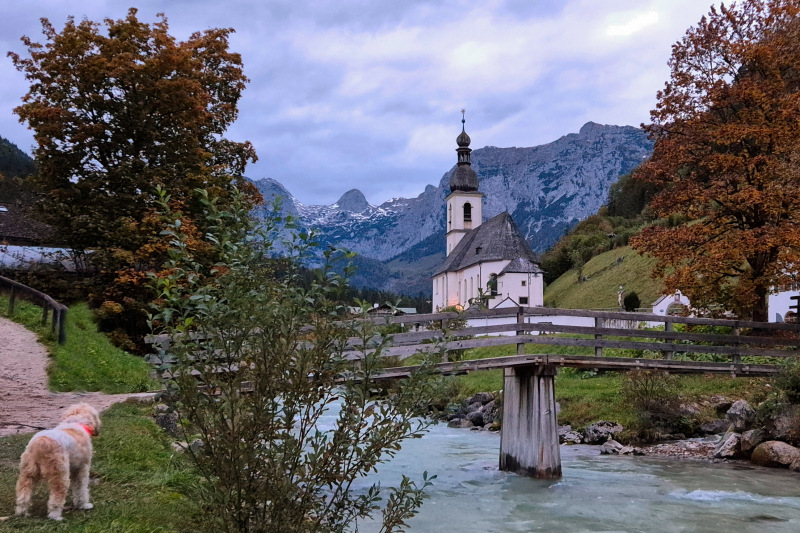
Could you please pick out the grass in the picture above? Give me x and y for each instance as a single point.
(139, 484)
(604, 274)
(87, 361)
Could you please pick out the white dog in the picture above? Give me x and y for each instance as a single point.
(58, 456)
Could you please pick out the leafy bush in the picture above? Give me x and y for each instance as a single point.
(631, 302)
(654, 396)
(284, 456)
(788, 381)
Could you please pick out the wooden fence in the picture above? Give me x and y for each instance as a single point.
(650, 341)
(653, 337)
(49, 306)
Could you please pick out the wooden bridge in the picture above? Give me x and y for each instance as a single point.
(615, 341)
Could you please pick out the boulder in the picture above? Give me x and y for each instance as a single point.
(714, 427)
(611, 447)
(482, 397)
(740, 415)
(474, 406)
(728, 447)
(476, 417)
(490, 412)
(631, 450)
(720, 404)
(601, 431)
(459, 423)
(775, 453)
(689, 410)
(169, 423)
(750, 439)
(786, 425)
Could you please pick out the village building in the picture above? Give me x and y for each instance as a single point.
(487, 263)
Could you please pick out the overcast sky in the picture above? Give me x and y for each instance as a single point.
(367, 93)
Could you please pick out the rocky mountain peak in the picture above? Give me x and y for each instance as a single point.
(547, 189)
(353, 201)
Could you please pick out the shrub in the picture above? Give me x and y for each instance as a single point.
(788, 381)
(654, 397)
(284, 456)
(631, 302)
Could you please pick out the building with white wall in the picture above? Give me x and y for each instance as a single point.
(486, 261)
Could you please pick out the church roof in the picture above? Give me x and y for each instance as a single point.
(522, 265)
(496, 239)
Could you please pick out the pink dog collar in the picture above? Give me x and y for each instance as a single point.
(89, 430)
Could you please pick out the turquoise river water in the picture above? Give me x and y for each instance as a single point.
(596, 493)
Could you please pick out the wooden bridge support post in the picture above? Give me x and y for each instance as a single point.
(520, 320)
(529, 439)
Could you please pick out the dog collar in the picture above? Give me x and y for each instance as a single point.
(89, 430)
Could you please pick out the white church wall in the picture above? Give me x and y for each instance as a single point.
(527, 289)
(779, 304)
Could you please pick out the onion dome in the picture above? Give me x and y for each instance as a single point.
(463, 178)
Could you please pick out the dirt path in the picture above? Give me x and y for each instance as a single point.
(24, 396)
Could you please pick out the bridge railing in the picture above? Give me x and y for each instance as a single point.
(599, 333)
(49, 306)
(593, 330)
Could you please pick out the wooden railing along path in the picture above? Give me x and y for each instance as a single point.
(49, 306)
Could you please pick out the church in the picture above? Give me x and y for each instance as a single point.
(487, 262)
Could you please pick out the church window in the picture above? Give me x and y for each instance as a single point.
(468, 212)
(523, 282)
(450, 217)
(523, 300)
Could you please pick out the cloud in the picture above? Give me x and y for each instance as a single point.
(354, 94)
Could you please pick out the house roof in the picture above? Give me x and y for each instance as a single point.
(18, 225)
(497, 239)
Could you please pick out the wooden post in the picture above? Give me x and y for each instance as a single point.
(529, 440)
(520, 320)
(737, 358)
(44, 314)
(12, 299)
(444, 338)
(62, 324)
(668, 327)
(598, 350)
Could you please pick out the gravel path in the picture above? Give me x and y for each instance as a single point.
(24, 397)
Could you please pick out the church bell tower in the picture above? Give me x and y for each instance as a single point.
(465, 203)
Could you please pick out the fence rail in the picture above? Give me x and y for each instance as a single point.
(49, 306)
(446, 333)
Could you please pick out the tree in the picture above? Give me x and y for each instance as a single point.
(116, 113)
(727, 132)
(288, 426)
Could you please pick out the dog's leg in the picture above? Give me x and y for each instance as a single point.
(58, 480)
(25, 486)
(80, 488)
(28, 477)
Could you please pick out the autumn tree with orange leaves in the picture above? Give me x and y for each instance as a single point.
(118, 110)
(727, 157)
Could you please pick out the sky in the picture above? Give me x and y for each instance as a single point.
(368, 94)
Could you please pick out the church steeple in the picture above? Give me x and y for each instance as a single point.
(464, 178)
(464, 203)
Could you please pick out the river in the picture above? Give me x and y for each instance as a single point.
(596, 493)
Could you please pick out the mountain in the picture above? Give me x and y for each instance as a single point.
(14, 164)
(547, 189)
